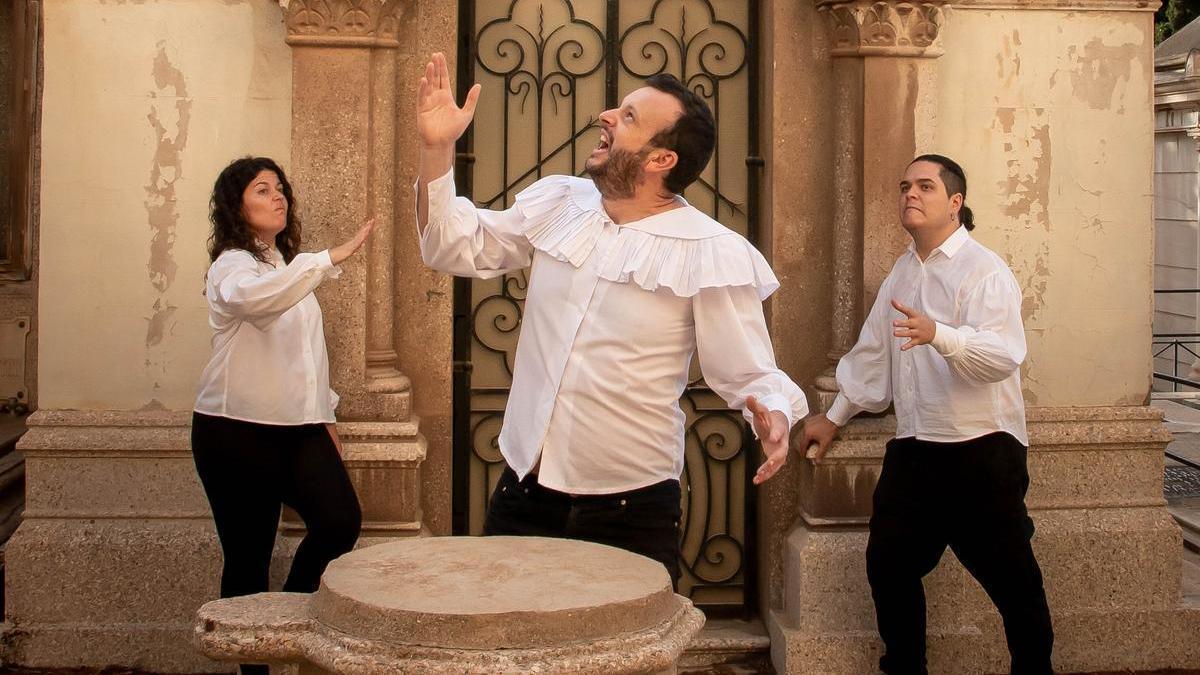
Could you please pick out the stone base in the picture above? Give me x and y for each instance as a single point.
(109, 593)
(1110, 613)
(117, 550)
(1110, 554)
(1085, 642)
(415, 607)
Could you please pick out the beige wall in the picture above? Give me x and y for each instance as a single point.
(144, 103)
(1052, 118)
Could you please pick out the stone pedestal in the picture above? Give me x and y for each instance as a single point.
(457, 604)
(1109, 551)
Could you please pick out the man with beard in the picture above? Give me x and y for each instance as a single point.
(627, 282)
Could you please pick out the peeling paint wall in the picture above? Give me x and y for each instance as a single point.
(1051, 114)
(145, 102)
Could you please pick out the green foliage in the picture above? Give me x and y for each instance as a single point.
(1173, 15)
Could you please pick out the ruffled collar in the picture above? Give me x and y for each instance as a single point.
(681, 249)
(684, 222)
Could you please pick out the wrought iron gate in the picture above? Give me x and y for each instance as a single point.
(548, 68)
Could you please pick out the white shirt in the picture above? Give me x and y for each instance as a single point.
(612, 318)
(964, 384)
(269, 363)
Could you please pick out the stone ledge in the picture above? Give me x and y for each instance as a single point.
(295, 634)
(147, 647)
(1061, 5)
(1105, 457)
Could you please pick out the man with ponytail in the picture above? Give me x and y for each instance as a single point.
(944, 344)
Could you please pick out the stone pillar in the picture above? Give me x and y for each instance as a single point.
(343, 165)
(879, 53)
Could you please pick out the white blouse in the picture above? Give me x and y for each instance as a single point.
(612, 318)
(269, 363)
(964, 384)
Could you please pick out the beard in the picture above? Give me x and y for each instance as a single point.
(619, 175)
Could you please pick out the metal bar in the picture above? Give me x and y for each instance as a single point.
(1181, 460)
(1178, 380)
(460, 456)
(1176, 335)
(612, 34)
(1177, 290)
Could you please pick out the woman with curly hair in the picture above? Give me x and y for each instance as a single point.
(263, 429)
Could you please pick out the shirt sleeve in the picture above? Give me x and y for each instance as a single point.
(990, 344)
(464, 240)
(736, 356)
(864, 374)
(239, 290)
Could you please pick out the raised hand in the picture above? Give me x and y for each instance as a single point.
(440, 121)
(347, 248)
(818, 431)
(771, 426)
(917, 327)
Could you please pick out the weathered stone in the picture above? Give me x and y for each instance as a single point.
(453, 605)
(1110, 555)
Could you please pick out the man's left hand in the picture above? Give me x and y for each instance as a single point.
(918, 328)
(771, 427)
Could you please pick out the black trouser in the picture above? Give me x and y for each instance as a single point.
(644, 521)
(248, 471)
(970, 496)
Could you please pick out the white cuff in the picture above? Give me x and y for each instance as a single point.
(841, 410)
(325, 264)
(946, 339)
(772, 402)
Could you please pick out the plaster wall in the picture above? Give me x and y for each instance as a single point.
(1052, 118)
(131, 146)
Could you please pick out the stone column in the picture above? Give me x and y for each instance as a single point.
(343, 164)
(878, 50)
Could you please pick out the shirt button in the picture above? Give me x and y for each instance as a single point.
(622, 502)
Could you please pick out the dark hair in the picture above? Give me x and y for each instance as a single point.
(955, 180)
(691, 138)
(229, 227)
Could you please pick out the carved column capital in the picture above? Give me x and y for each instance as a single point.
(343, 23)
(879, 28)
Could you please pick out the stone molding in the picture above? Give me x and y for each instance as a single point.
(1061, 5)
(1063, 443)
(343, 23)
(885, 28)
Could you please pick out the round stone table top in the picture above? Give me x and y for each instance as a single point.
(493, 592)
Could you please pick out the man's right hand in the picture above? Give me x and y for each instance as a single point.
(820, 431)
(440, 121)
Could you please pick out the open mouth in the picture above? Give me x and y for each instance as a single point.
(604, 141)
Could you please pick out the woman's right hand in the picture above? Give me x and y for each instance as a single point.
(344, 250)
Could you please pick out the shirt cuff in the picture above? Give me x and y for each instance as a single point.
(947, 340)
(841, 410)
(325, 264)
(771, 402)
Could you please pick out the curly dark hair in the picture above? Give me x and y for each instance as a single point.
(229, 228)
(692, 137)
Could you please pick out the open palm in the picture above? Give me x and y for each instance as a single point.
(439, 119)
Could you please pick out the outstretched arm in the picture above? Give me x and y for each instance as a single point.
(440, 123)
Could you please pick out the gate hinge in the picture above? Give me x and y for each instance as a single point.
(461, 366)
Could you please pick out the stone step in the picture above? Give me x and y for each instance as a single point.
(1187, 514)
(726, 642)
